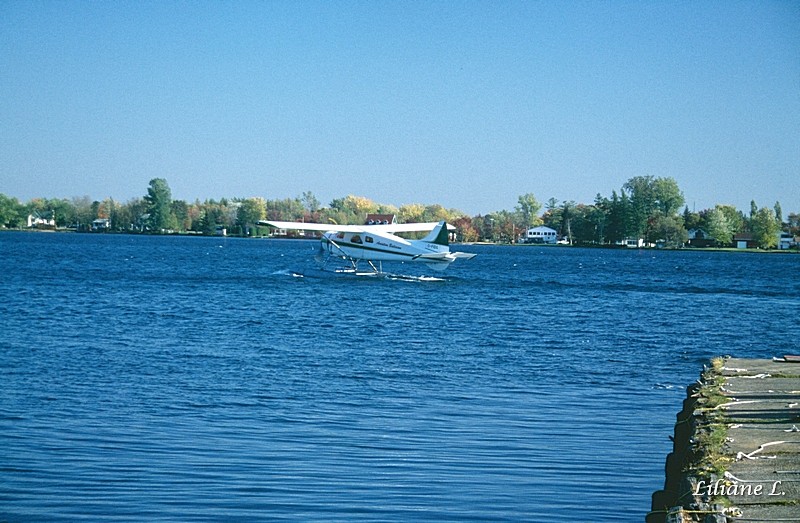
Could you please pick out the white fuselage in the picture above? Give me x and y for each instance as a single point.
(377, 246)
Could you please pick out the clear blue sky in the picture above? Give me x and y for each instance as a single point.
(467, 104)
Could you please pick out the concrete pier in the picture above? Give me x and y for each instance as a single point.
(736, 452)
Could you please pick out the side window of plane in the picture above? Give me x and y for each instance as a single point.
(340, 236)
(356, 239)
(368, 239)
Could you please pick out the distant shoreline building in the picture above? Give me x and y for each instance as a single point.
(38, 221)
(700, 238)
(541, 234)
(101, 225)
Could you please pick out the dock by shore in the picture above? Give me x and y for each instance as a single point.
(736, 452)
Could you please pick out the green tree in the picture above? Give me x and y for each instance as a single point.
(411, 213)
(180, 210)
(130, 215)
(528, 210)
(588, 223)
(567, 214)
(735, 217)
(63, 210)
(11, 212)
(310, 202)
(778, 212)
(353, 208)
(37, 205)
(649, 198)
(719, 227)
(794, 223)
(159, 205)
(598, 215)
(250, 212)
(82, 218)
(435, 213)
(670, 229)
(642, 204)
(668, 196)
(618, 213)
(691, 220)
(552, 214)
(387, 209)
(499, 227)
(552, 204)
(96, 211)
(288, 209)
(194, 214)
(211, 217)
(765, 228)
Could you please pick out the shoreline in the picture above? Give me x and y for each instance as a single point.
(194, 234)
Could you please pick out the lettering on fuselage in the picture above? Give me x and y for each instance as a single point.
(346, 243)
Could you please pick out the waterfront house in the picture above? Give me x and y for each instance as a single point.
(541, 234)
(744, 240)
(38, 221)
(700, 238)
(101, 225)
(785, 240)
(634, 243)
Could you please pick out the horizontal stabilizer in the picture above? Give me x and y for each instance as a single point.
(434, 256)
(445, 256)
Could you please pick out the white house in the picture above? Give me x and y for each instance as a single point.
(38, 221)
(541, 234)
(785, 240)
(101, 224)
(632, 243)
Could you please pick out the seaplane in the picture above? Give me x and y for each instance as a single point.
(378, 243)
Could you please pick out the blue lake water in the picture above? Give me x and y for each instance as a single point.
(203, 379)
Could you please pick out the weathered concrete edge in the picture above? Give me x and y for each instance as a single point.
(697, 455)
(738, 405)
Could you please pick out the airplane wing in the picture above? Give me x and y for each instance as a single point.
(321, 227)
(409, 227)
(325, 227)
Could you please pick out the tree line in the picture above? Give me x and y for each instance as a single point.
(645, 207)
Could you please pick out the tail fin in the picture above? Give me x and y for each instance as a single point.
(439, 235)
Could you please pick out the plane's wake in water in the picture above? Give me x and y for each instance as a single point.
(366, 275)
(287, 272)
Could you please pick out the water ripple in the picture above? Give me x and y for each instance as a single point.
(179, 379)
